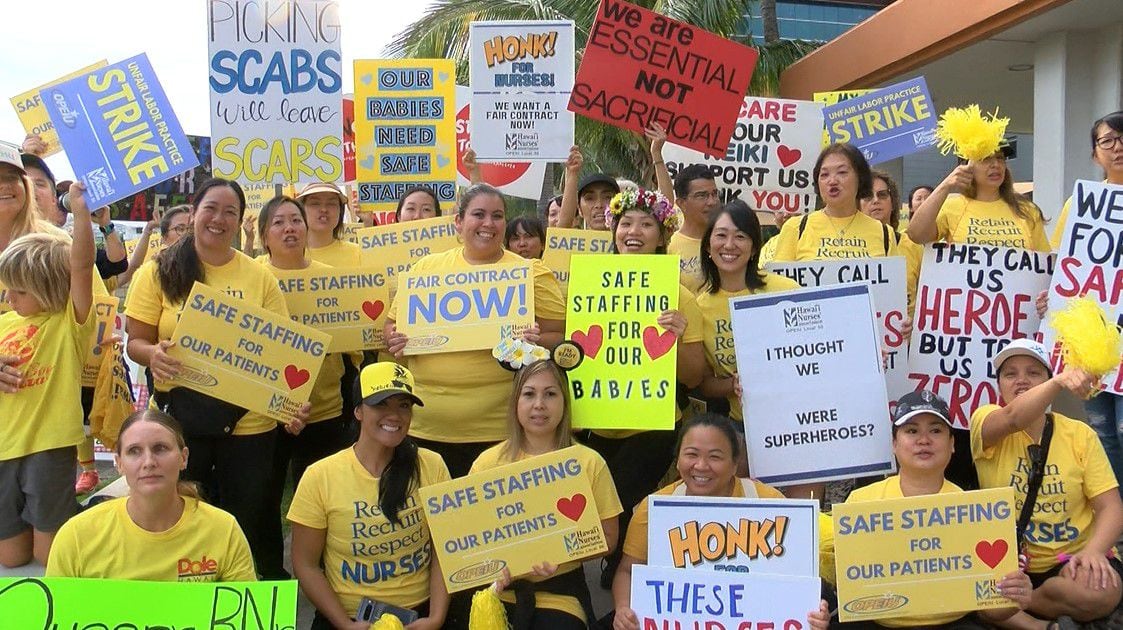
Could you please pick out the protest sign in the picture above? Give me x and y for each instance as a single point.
(392, 249)
(810, 362)
(33, 112)
(351, 231)
(405, 130)
(245, 354)
(471, 309)
(770, 157)
(33, 602)
(108, 324)
(348, 304)
(740, 535)
(886, 123)
(673, 599)
(563, 243)
(536, 510)
(276, 90)
(627, 379)
(521, 73)
(641, 67)
(119, 131)
(517, 179)
(931, 554)
(1087, 262)
(834, 98)
(970, 302)
(888, 287)
(146, 204)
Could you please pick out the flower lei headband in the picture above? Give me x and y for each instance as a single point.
(644, 200)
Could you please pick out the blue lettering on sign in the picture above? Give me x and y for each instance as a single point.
(299, 72)
(457, 304)
(416, 108)
(402, 136)
(391, 79)
(405, 164)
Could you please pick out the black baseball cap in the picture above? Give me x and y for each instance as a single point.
(597, 178)
(921, 401)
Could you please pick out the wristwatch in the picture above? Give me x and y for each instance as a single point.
(106, 229)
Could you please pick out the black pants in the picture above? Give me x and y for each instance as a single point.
(550, 619)
(320, 622)
(238, 468)
(458, 457)
(961, 468)
(315, 442)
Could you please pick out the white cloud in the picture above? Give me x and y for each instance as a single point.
(46, 39)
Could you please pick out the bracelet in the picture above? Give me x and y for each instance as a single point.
(106, 229)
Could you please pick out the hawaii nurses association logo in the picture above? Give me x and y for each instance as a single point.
(202, 570)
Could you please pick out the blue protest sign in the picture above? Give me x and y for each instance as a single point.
(118, 130)
(886, 123)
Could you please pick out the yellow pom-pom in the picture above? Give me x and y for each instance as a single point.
(387, 622)
(968, 134)
(487, 611)
(1089, 340)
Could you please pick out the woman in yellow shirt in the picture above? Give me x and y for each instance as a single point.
(1077, 515)
(324, 204)
(553, 597)
(162, 531)
(707, 451)
(358, 527)
(467, 392)
(231, 451)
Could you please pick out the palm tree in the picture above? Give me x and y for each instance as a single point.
(443, 33)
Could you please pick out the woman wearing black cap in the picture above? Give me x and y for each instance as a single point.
(351, 507)
(1068, 535)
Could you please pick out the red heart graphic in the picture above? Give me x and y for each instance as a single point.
(591, 341)
(573, 507)
(373, 309)
(788, 156)
(657, 344)
(991, 553)
(295, 377)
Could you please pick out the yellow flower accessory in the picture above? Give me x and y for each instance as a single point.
(1089, 340)
(968, 134)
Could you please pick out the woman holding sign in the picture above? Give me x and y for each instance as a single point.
(708, 450)
(539, 423)
(1073, 514)
(358, 527)
(161, 531)
(325, 203)
(467, 392)
(884, 204)
(231, 450)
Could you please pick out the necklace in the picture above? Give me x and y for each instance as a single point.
(842, 230)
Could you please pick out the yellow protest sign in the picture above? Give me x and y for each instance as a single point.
(405, 130)
(464, 309)
(939, 553)
(536, 510)
(351, 231)
(348, 304)
(627, 379)
(32, 111)
(563, 243)
(246, 355)
(834, 98)
(392, 249)
(154, 245)
(105, 310)
(85, 603)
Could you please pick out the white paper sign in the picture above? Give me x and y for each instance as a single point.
(971, 301)
(888, 285)
(516, 179)
(1088, 261)
(710, 600)
(738, 535)
(521, 75)
(815, 405)
(276, 91)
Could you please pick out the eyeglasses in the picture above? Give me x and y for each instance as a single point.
(1108, 143)
(703, 195)
(880, 194)
(179, 229)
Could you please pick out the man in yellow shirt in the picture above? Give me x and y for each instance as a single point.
(696, 196)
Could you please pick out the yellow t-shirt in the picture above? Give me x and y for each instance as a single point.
(914, 255)
(690, 265)
(1059, 227)
(338, 254)
(964, 220)
(205, 545)
(826, 238)
(46, 412)
(635, 542)
(717, 329)
(891, 489)
(364, 553)
(607, 503)
(466, 393)
(241, 278)
(768, 250)
(1076, 471)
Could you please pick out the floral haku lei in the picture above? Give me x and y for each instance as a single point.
(643, 200)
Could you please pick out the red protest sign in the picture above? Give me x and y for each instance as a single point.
(641, 67)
